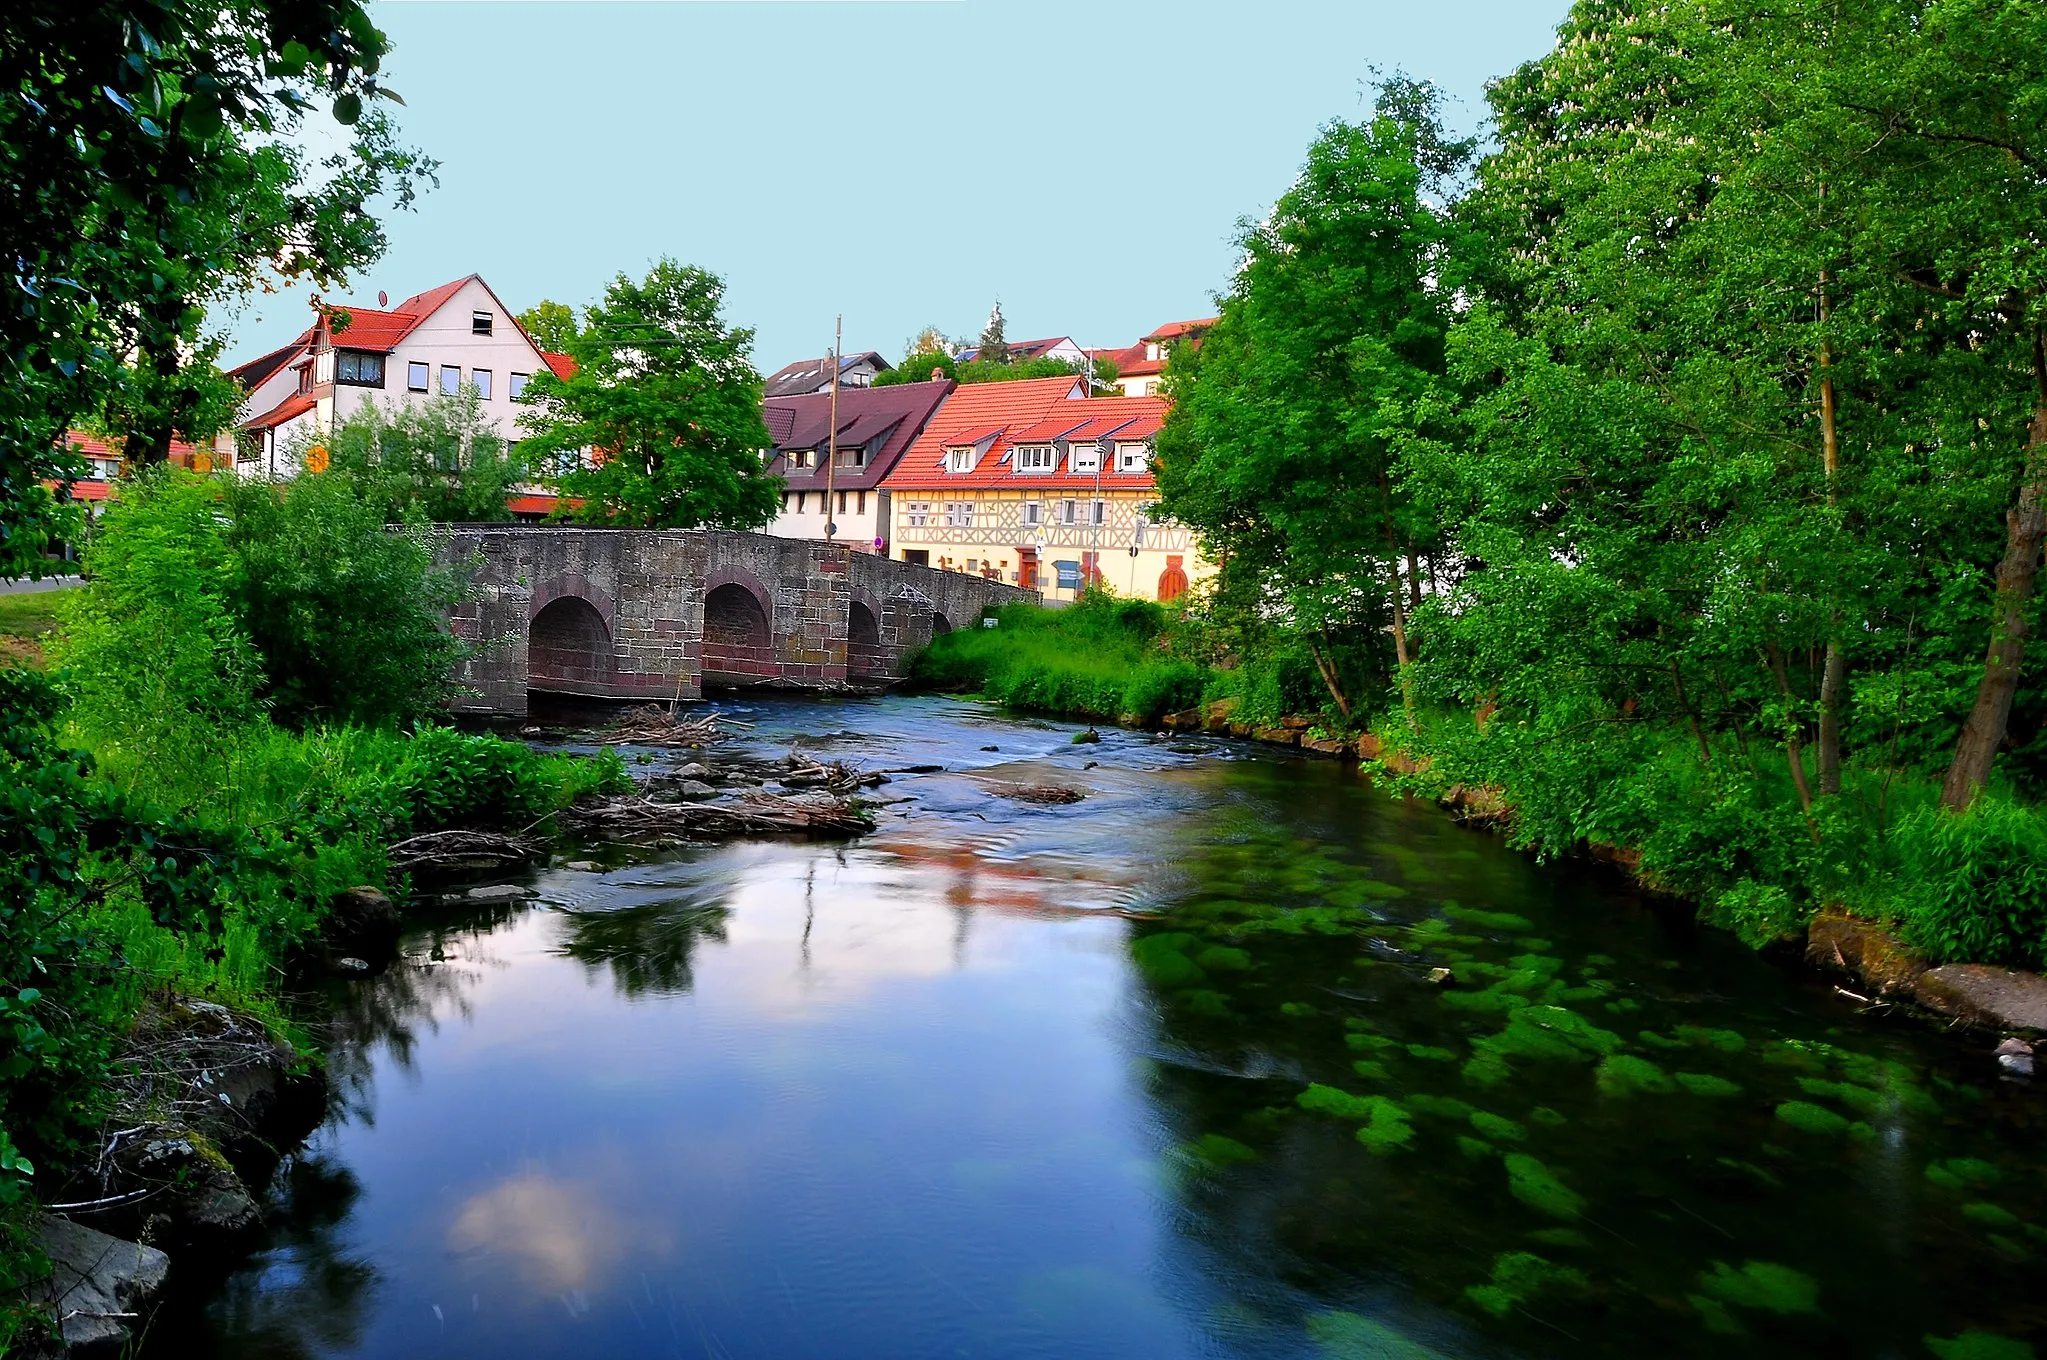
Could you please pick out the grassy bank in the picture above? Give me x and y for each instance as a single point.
(27, 621)
(1718, 823)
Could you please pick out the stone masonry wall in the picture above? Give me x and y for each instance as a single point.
(648, 586)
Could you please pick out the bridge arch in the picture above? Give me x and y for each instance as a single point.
(739, 631)
(866, 657)
(569, 645)
(940, 624)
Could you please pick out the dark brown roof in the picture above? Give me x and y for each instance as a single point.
(891, 416)
(257, 371)
(807, 375)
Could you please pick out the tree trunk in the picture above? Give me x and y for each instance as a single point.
(1331, 679)
(1684, 701)
(1399, 613)
(1794, 747)
(1414, 578)
(1829, 754)
(2025, 531)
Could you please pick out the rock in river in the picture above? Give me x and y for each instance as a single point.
(98, 1284)
(1983, 995)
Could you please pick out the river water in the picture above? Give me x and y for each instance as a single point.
(1157, 1074)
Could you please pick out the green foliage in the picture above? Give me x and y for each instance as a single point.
(213, 599)
(449, 779)
(1973, 885)
(552, 325)
(667, 401)
(916, 368)
(1099, 657)
(440, 459)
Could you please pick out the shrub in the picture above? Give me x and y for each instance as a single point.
(448, 778)
(1973, 886)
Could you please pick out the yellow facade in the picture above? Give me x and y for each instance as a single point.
(1014, 534)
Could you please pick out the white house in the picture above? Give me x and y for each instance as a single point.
(460, 334)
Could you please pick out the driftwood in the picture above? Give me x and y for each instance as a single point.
(462, 850)
(834, 777)
(632, 817)
(653, 725)
(1038, 793)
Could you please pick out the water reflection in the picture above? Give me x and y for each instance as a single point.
(1161, 1073)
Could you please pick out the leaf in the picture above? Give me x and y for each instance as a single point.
(347, 108)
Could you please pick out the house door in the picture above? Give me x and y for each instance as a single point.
(1027, 568)
(1172, 581)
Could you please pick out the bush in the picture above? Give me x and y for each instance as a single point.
(448, 778)
(1974, 886)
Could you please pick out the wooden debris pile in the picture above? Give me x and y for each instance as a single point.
(834, 777)
(653, 725)
(453, 851)
(1050, 794)
(635, 818)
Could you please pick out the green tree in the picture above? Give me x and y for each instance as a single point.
(993, 347)
(918, 367)
(125, 145)
(551, 324)
(1288, 421)
(440, 459)
(667, 404)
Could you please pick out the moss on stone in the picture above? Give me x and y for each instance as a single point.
(1810, 1118)
(1961, 1173)
(1704, 1084)
(1624, 1075)
(1987, 1215)
(1536, 1186)
(1497, 1127)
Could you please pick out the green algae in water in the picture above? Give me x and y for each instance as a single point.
(1627, 1005)
(1560, 1237)
(1477, 1149)
(1978, 1346)
(1655, 1040)
(1961, 1173)
(1488, 920)
(1204, 1002)
(1601, 960)
(1445, 1107)
(1497, 999)
(1548, 1118)
(1726, 1040)
(1431, 1053)
(1704, 1084)
(1807, 1117)
(1370, 1043)
(1349, 1336)
(1987, 1215)
(1762, 1285)
(1537, 1187)
(1217, 1151)
(1519, 1276)
(1497, 1127)
(1714, 1314)
(1622, 1075)
(1539, 1033)
(1221, 958)
(1163, 960)
(1297, 1010)
(1371, 1070)
(1535, 945)
(1389, 1130)
(1858, 1098)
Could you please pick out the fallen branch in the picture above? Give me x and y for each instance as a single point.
(461, 850)
(1038, 793)
(652, 725)
(631, 818)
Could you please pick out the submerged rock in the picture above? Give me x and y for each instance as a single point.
(1087, 738)
(351, 967)
(2000, 998)
(694, 770)
(2015, 1056)
(98, 1284)
(361, 923)
(498, 892)
(584, 866)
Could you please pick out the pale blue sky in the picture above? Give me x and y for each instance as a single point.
(901, 162)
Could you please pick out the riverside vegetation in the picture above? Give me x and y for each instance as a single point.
(237, 724)
(1677, 468)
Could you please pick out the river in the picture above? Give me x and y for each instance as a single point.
(1160, 1073)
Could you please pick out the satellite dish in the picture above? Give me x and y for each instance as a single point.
(383, 298)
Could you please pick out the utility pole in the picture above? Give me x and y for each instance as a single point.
(831, 458)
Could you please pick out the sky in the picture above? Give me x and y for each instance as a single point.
(901, 162)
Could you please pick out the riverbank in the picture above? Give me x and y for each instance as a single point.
(1958, 895)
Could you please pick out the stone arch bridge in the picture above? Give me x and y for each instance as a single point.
(660, 614)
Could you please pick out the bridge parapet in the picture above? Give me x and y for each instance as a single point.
(658, 613)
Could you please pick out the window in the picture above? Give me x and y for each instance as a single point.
(917, 557)
(1133, 457)
(1036, 458)
(1087, 457)
(842, 502)
(959, 514)
(860, 507)
(515, 385)
(481, 377)
(359, 369)
(960, 460)
(1032, 514)
(1066, 511)
(451, 379)
(479, 323)
(1098, 513)
(916, 514)
(415, 377)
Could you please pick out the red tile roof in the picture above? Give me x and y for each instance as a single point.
(1176, 330)
(1017, 409)
(561, 365)
(293, 406)
(94, 447)
(361, 328)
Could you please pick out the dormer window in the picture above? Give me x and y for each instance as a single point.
(960, 459)
(1133, 457)
(1153, 350)
(1087, 457)
(479, 323)
(359, 368)
(1036, 458)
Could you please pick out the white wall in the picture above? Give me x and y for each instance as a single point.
(857, 528)
(445, 339)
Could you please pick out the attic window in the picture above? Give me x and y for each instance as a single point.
(479, 323)
(1036, 458)
(1133, 457)
(960, 459)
